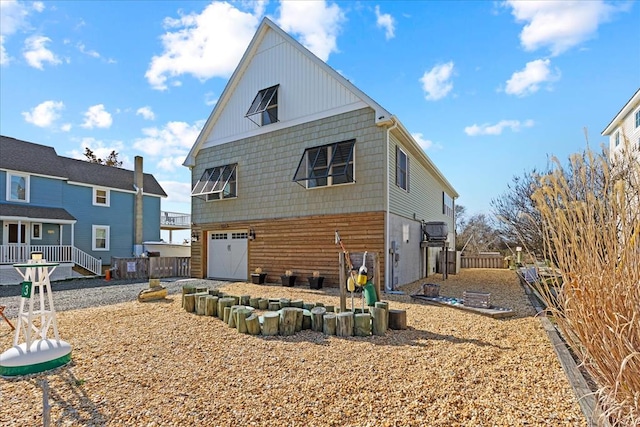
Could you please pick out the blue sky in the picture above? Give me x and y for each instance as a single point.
(489, 89)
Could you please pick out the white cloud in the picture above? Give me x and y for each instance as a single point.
(210, 99)
(424, 143)
(146, 112)
(316, 23)
(4, 56)
(177, 192)
(38, 6)
(385, 21)
(13, 17)
(66, 127)
(528, 80)
(36, 53)
(83, 49)
(560, 25)
(205, 45)
(489, 129)
(172, 141)
(97, 117)
(437, 82)
(44, 114)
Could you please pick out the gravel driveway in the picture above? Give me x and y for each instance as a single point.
(82, 293)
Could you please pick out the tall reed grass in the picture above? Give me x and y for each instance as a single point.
(591, 225)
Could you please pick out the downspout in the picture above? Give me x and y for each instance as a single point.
(388, 274)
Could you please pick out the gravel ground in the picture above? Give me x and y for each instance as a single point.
(153, 364)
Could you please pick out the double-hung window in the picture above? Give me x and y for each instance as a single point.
(638, 119)
(101, 197)
(447, 205)
(100, 237)
(326, 165)
(17, 187)
(617, 138)
(402, 169)
(217, 183)
(264, 108)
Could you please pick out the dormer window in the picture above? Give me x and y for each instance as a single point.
(264, 108)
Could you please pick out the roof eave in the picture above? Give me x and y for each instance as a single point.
(624, 111)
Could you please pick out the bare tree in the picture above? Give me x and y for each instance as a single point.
(111, 160)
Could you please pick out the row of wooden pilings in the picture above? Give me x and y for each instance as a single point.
(282, 316)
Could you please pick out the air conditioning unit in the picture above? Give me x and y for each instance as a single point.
(435, 231)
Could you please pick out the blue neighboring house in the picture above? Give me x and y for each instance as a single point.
(77, 213)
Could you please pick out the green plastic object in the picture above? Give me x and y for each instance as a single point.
(370, 294)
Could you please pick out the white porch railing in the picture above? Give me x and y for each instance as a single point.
(11, 254)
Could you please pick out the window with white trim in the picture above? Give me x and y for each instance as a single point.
(638, 119)
(447, 205)
(36, 231)
(264, 108)
(402, 169)
(100, 237)
(17, 187)
(217, 183)
(326, 165)
(617, 139)
(101, 197)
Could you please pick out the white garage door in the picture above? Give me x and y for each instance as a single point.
(228, 255)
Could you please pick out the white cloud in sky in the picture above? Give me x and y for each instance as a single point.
(424, 143)
(436, 82)
(385, 21)
(496, 129)
(83, 49)
(66, 127)
(97, 117)
(173, 142)
(12, 18)
(44, 114)
(316, 23)
(177, 192)
(210, 99)
(205, 45)
(4, 56)
(528, 80)
(36, 53)
(146, 112)
(38, 6)
(560, 25)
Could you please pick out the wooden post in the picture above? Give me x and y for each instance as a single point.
(214, 292)
(308, 305)
(362, 326)
(316, 318)
(227, 313)
(329, 324)
(241, 316)
(189, 302)
(232, 315)
(271, 322)
(330, 308)
(343, 282)
(397, 319)
(274, 306)
(263, 304)
(288, 317)
(298, 303)
(253, 302)
(201, 303)
(222, 303)
(379, 320)
(244, 299)
(212, 306)
(253, 324)
(344, 324)
(187, 289)
(299, 318)
(285, 302)
(306, 319)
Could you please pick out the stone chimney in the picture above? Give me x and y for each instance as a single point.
(138, 179)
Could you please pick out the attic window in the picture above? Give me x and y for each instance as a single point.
(326, 165)
(217, 183)
(264, 108)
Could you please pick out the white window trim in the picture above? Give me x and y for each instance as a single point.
(94, 229)
(95, 197)
(33, 236)
(27, 190)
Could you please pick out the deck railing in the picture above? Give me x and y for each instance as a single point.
(12, 254)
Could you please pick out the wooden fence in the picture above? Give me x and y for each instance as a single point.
(152, 267)
(482, 261)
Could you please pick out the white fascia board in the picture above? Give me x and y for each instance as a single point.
(631, 105)
(47, 220)
(425, 160)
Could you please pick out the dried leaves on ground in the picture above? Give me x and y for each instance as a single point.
(148, 364)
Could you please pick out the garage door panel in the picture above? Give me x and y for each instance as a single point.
(227, 258)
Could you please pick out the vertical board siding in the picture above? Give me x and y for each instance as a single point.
(301, 244)
(305, 88)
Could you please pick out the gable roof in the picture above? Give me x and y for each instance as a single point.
(23, 156)
(632, 103)
(381, 114)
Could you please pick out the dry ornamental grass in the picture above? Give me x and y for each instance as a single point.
(154, 364)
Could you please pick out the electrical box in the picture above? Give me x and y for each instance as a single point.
(436, 231)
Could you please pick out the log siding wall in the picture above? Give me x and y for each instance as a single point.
(301, 244)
